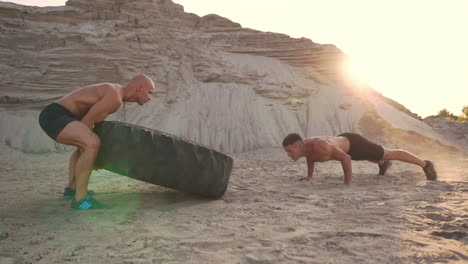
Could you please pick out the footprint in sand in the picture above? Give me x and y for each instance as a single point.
(439, 217)
(266, 243)
(286, 229)
(300, 240)
(456, 235)
(438, 186)
(253, 259)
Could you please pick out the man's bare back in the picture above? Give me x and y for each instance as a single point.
(81, 100)
(319, 148)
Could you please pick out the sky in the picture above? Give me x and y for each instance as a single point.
(412, 51)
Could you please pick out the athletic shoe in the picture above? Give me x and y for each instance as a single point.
(384, 167)
(430, 171)
(87, 203)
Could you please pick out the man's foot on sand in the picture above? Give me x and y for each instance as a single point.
(384, 167)
(87, 203)
(430, 171)
(69, 193)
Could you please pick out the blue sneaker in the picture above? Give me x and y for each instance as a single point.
(87, 203)
(70, 193)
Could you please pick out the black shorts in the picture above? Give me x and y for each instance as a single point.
(53, 119)
(362, 149)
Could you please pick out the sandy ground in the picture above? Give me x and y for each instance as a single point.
(266, 216)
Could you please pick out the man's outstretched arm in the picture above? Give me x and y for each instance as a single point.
(99, 111)
(345, 160)
(310, 168)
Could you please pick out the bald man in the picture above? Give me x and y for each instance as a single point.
(71, 119)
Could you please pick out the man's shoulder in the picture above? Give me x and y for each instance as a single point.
(109, 87)
(109, 90)
(111, 95)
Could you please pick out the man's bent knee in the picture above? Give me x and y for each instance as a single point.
(389, 154)
(93, 144)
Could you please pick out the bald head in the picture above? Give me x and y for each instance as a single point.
(139, 89)
(142, 80)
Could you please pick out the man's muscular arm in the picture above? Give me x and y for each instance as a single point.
(310, 168)
(338, 154)
(100, 110)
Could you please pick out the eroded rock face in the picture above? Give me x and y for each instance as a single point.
(221, 85)
(456, 132)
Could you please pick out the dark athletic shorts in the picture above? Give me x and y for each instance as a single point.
(53, 119)
(362, 149)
